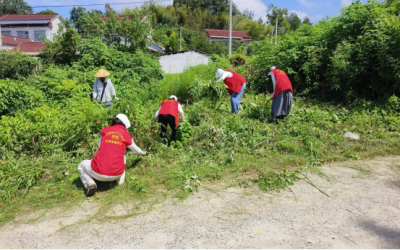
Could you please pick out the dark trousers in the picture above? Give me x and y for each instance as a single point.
(166, 120)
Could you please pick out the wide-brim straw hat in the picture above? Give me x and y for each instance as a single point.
(101, 73)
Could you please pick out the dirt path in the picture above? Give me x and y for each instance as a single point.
(362, 211)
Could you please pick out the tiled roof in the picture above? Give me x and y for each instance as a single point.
(30, 47)
(27, 17)
(13, 40)
(225, 33)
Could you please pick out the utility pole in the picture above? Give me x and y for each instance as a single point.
(230, 28)
(272, 34)
(276, 32)
(180, 38)
(1, 41)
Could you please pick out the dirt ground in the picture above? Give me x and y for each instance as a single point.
(362, 211)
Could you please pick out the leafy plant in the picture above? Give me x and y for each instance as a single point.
(278, 181)
(192, 183)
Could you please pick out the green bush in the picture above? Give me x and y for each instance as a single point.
(15, 65)
(17, 96)
(353, 55)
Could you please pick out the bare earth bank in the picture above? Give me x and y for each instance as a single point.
(362, 211)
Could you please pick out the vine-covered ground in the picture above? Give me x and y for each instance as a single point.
(345, 75)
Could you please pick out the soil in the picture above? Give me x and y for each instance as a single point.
(360, 209)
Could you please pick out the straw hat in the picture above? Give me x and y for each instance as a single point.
(101, 73)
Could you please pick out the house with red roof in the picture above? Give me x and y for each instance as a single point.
(31, 26)
(223, 35)
(30, 48)
(10, 42)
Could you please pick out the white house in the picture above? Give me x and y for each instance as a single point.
(30, 26)
(177, 62)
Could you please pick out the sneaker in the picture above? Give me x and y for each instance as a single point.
(91, 190)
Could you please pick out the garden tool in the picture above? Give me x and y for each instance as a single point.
(268, 101)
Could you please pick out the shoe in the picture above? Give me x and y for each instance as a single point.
(91, 190)
(275, 121)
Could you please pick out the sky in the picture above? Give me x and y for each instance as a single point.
(316, 10)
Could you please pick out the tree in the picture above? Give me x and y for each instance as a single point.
(14, 7)
(294, 21)
(109, 10)
(172, 42)
(248, 14)
(46, 12)
(64, 48)
(280, 14)
(306, 20)
(215, 6)
(77, 15)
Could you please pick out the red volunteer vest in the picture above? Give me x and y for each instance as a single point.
(282, 82)
(170, 107)
(235, 82)
(109, 159)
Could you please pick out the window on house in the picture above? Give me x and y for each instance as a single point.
(23, 34)
(39, 34)
(6, 32)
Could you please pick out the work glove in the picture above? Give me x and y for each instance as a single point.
(116, 98)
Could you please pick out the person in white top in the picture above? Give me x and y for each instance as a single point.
(167, 114)
(103, 88)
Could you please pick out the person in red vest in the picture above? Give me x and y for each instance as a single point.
(109, 161)
(282, 95)
(235, 84)
(167, 114)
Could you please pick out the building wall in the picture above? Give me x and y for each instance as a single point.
(177, 63)
(7, 46)
(56, 22)
(50, 32)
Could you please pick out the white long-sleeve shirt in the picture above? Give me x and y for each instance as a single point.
(180, 111)
(273, 82)
(225, 75)
(98, 90)
(132, 147)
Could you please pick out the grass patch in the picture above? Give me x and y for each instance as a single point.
(214, 146)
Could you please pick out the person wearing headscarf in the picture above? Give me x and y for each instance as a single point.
(235, 84)
(103, 88)
(282, 95)
(109, 161)
(167, 115)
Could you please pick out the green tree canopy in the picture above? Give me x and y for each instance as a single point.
(276, 13)
(294, 21)
(77, 17)
(306, 20)
(14, 7)
(46, 12)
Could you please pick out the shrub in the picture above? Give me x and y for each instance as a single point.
(15, 65)
(17, 96)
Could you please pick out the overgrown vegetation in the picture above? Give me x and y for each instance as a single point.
(49, 124)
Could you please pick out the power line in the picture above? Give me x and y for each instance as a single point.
(325, 9)
(94, 4)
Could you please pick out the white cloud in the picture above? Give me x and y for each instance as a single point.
(300, 14)
(306, 3)
(346, 2)
(259, 8)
